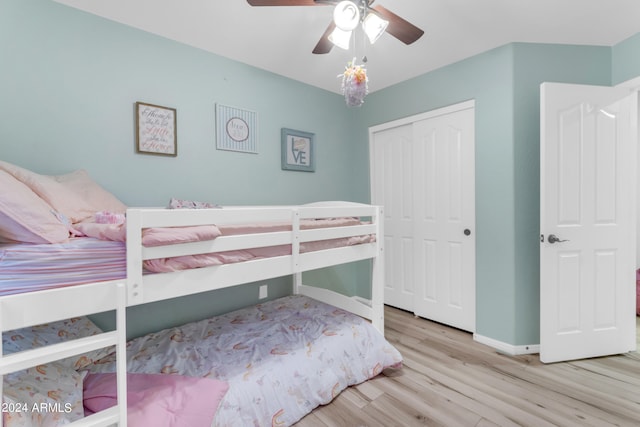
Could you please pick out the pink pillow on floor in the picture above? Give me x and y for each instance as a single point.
(158, 400)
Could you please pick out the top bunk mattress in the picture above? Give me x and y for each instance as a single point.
(26, 267)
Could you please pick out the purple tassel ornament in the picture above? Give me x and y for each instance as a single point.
(354, 84)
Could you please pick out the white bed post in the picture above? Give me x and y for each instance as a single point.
(377, 274)
(297, 282)
(295, 251)
(134, 256)
(121, 354)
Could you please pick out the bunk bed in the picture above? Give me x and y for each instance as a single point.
(289, 245)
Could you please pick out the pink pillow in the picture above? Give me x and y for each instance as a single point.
(52, 192)
(80, 183)
(158, 400)
(25, 217)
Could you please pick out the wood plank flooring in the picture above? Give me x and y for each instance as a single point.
(450, 380)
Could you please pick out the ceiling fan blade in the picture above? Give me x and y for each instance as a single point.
(324, 44)
(399, 28)
(289, 2)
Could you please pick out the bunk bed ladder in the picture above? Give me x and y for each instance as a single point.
(116, 415)
(30, 358)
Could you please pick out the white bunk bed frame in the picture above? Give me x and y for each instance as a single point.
(34, 308)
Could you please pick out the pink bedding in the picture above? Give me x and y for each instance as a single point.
(26, 267)
(281, 358)
(150, 236)
(158, 400)
(173, 235)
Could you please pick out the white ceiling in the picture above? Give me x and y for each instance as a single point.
(280, 39)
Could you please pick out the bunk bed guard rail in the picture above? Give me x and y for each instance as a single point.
(143, 288)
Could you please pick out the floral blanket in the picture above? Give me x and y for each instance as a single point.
(281, 359)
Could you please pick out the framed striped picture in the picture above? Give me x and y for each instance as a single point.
(236, 129)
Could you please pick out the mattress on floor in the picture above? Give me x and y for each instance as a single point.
(281, 358)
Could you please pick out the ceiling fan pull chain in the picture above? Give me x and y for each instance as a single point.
(364, 50)
(355, 42)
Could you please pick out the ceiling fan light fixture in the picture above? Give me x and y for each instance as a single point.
(346, 15)
(340, 38)
(374, 26)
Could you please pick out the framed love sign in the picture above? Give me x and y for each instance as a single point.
(298, 150)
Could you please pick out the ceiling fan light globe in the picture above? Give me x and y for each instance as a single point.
(374, 27)
(346, 15)
(340, 38)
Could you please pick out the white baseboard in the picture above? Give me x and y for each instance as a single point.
(509, 349)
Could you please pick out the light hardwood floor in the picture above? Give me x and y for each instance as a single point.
(450, 380)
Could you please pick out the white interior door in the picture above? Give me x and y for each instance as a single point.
(587, 221)
(423, 173)
(444, 169)
(392, 187)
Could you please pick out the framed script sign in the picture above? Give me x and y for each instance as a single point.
(298, 150)
(156, 131)
(236, 129)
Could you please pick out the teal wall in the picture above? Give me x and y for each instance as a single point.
(505, 83)
(626, 60)
(69, 81)
(534, 64)
(487, 78)
(68, 84)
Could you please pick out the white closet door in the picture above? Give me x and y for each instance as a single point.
(391, 158)
(444, 164)
(423, 173)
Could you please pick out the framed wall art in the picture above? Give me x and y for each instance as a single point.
(298, 150)
(156, 130)
(236, 129)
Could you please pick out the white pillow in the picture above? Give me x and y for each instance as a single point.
(47, 395)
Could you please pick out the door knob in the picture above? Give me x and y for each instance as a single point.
(467, 232)
(554, 239)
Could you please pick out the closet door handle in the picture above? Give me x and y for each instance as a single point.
(467, 232)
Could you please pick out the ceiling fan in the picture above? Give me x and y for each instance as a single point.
(347, 15)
